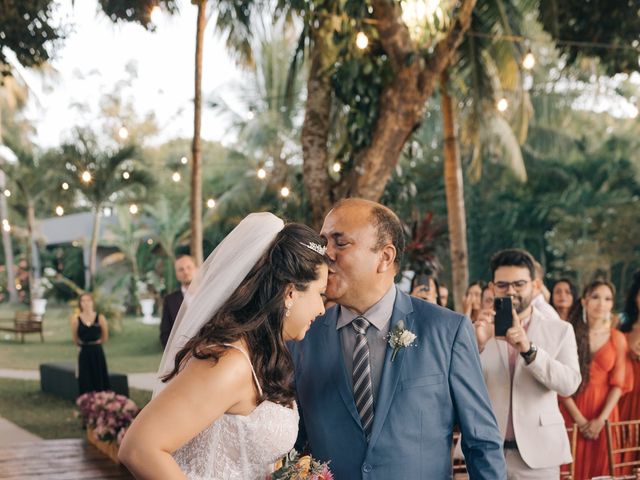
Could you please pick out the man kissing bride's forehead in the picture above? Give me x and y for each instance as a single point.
(375, 405)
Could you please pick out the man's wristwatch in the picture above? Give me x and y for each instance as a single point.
(530, 354)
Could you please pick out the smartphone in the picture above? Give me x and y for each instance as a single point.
(504, 315)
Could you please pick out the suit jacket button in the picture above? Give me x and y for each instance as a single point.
(366, 468)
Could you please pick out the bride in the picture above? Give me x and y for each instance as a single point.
(225, 406)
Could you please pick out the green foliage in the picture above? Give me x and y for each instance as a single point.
(605, 29)
(138, 11)
(28, 30)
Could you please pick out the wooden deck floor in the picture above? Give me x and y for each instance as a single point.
(72, 459)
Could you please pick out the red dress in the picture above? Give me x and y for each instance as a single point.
(630, 403)
(607, 371)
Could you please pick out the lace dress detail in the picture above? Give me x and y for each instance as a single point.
(238, 447)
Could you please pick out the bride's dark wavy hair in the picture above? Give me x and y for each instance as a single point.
(255, 312)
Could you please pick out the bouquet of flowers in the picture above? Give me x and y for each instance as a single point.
(107, 413)
(296, 467)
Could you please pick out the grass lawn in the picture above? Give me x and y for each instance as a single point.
(135, 349)
(47, 416)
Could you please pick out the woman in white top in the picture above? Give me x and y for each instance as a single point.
(226, 408)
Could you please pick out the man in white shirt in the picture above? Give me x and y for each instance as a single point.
(526, 370)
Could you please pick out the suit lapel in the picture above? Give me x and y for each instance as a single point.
(333, 351)
(402, 310)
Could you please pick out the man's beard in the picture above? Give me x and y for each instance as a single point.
(521, 303)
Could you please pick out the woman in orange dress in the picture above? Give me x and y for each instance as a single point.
(602, 351)
(630, 403)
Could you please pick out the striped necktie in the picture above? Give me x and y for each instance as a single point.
(362, 388)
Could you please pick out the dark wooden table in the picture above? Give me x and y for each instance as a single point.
(71, 459)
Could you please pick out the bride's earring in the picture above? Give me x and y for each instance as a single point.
(288, 306)
(584, 315)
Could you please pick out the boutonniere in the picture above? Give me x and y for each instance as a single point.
(399, 338)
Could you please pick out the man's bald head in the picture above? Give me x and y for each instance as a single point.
(383, 219)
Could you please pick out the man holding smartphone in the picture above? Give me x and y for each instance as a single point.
(528, 359)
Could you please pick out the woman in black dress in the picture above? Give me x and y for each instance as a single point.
(90, 331)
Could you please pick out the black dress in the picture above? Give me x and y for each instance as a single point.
(92, 365)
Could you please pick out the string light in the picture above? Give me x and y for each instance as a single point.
(86, 176)
(7, 193)
(529, 61)
(337, 167)
(107, 211)
(284, 191)
(65, 186)
(5, 225)
(502, 105)
(18, 286)
(211, 203)
(123, 133)
(176, 177)
(262, 173)
(184, 160)
(133, 209)
(126, 175)
(59, 210)
(150, 241)
(154, 15)
(362, 41)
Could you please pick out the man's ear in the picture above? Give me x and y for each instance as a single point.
(537, 285)
(387, 258)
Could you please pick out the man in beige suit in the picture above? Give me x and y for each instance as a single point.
(526, 370)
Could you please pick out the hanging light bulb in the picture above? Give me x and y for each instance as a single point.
(126, 175)
(362, 41)
(123, 133)
(5, 225)
(86, 176)
(176, 177)
(262, 173)
(184, 160)
(150, 241)
(529, 61)
(337, 167)
(7, 193)
(65, 186)
(154, 15)
(284, 191)
(211, 203)
(502, 105)
(59, 210)
(133, 209)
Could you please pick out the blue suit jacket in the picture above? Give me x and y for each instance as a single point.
(422, 395)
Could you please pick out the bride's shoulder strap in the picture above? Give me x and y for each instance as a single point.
(246, 355)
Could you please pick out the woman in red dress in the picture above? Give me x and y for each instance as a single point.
(602, 351)
(630, 403)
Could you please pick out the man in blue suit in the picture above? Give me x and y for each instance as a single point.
(372, 414)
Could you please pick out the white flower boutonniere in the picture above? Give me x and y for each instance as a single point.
(399, 338)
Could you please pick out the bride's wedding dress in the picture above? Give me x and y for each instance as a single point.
(238, 447)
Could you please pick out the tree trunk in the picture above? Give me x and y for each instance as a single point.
(454, 189)
(196, 174)
(315, 135)
(401, 107)
(401, 110)
(7, 244)
(93, 253)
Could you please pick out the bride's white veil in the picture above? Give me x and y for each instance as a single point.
(216, 280)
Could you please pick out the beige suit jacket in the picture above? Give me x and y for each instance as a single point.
(537, 422)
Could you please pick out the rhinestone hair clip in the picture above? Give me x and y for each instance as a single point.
(315, 247)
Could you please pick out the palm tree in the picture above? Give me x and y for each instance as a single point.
(35, 175)
(482, 68)
(100, 177)
(169, 224)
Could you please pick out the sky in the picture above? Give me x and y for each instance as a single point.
(93, 58)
